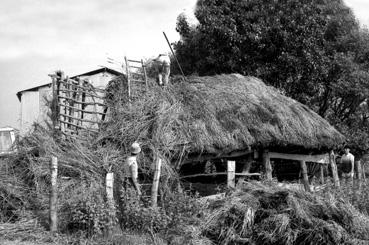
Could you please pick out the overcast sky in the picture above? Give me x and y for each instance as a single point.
(38, 37)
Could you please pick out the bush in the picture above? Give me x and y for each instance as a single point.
(175, 218)
(86, 210)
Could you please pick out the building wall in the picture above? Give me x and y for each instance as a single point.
(30, 105)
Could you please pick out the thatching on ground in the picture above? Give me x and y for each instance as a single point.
(265, 214)
(216, 115)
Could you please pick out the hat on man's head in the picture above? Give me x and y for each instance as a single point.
(135, 148)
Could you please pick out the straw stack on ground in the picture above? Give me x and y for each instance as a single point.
(265, 214)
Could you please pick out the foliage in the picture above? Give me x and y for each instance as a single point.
(312, 50)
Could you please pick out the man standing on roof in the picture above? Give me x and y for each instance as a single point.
(131, 169)
(347, 165)
(163, 67)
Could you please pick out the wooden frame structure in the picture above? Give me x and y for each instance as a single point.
(78, 106)
(266, 156)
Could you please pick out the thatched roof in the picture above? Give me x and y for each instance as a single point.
(220, 114)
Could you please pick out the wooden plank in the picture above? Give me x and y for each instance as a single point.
(84, 111)
(231, 177)
(218, 173)
(79, 102)
(78, 126)
(305, 178)
(79, 91)
(267, 166)
(155, 184)
(135, 61)
(53, 212)
(323, 158)
(332, 162)
(137, 67)
(78, 119)
(206, 157)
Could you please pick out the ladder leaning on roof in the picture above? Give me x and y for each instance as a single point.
(139, 75)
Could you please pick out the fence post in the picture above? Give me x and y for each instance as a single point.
(231, 168)
(109, 182)
(53, 215)
(155, 184)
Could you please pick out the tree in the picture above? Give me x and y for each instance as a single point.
(313, 50)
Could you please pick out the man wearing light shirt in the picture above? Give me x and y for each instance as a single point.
(131, 169)
(347, 165)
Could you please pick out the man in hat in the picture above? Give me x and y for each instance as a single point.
(347, 165)
(163, 67)
(131, 168)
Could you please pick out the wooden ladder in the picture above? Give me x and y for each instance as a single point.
(138, 75)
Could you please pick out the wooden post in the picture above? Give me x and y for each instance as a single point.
(145, 75)
(53, 214)
(231, 175)
(363, 170)
(109, 184)
(155, 184)
(332, 162)
(322, 174)
(128, 81)
(305, 178)
(267, 165)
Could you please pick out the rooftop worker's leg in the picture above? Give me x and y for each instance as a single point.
(166, 73)
(159, 71)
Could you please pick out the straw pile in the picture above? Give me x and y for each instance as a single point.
(265, 214)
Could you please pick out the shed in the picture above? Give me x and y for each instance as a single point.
(229, 117)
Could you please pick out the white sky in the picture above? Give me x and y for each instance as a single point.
(38, 37)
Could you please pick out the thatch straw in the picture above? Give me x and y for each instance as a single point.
(219, 114)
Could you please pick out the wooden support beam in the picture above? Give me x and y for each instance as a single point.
(231, 169)
(323, 158)
(267, 166)
(332, 162)
(53, 211)
(79, 102)
(155, 184)
(67, 91)
(206, 157)
(305, 178)
(363, 170)
(321, 174)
